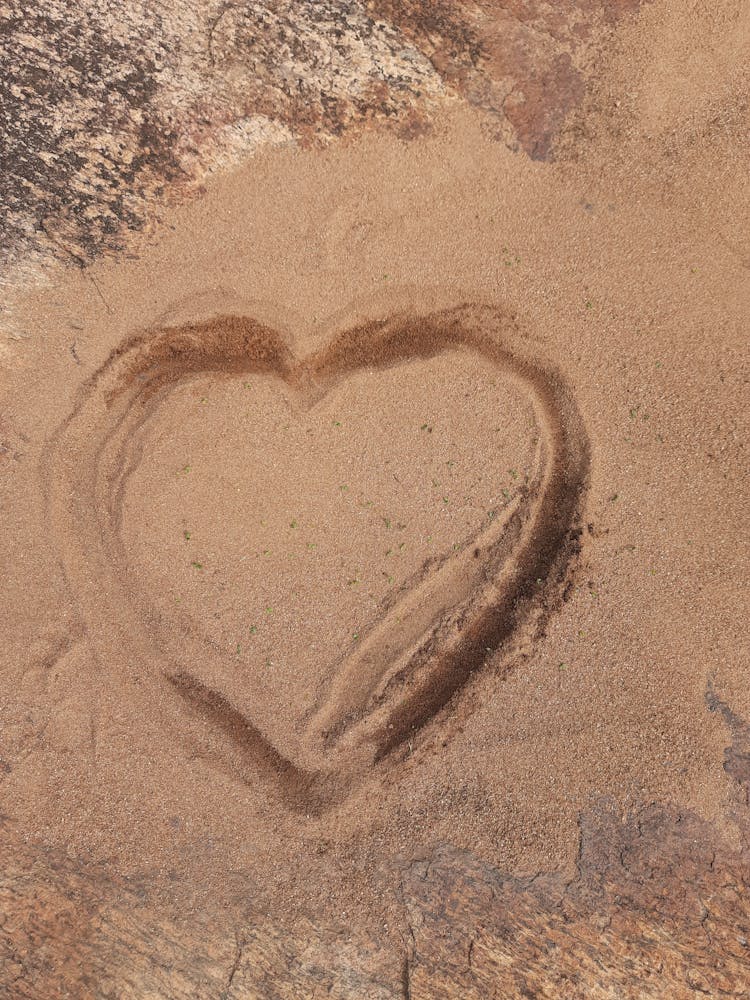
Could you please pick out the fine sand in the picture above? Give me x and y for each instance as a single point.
(389, 495)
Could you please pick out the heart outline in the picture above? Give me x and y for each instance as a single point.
(547, 529)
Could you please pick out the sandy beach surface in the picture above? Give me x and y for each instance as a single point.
(375, 512)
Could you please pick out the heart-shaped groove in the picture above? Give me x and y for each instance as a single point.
(432, 637)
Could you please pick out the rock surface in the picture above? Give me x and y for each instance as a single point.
(109, 111)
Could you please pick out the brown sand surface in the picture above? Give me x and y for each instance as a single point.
(393, 495)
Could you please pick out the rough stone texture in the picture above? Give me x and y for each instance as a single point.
(84, 141)
(108, 111)
(526, 63)
(655, 910)
(103, 107)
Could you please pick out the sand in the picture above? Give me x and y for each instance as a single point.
(389, 495)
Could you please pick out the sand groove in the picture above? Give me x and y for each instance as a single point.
(412, 662)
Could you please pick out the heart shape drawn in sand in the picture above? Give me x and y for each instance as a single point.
(426, 637)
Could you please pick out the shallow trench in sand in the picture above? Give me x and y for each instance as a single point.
(313, 557)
